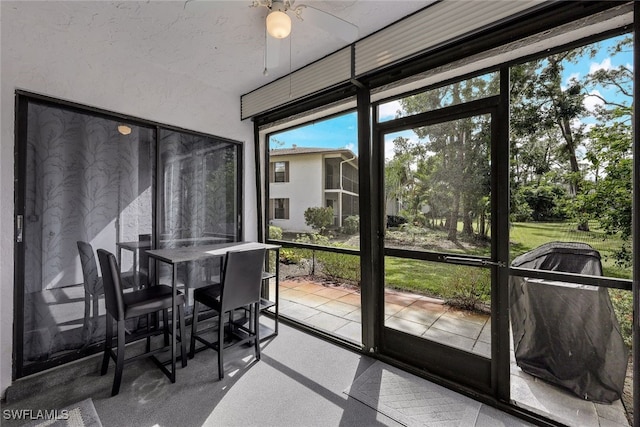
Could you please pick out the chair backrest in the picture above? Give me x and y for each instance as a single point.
(242, 278)
(92, 281)
(112, 283)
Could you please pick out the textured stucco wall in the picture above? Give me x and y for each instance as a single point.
(304, 189)
(55, 55)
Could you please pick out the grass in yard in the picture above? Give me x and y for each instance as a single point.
(525, 236)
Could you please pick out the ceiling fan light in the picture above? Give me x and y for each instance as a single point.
(124, 129)
(278, 24)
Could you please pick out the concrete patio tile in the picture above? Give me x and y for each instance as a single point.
(392, 309)
(327, 322)
(332, 293)
(459, 327)
(450, 339)
(290, 284)
(337, 308)
(485, 335)
(305, 298)
(469, 316)
(418, 315)
(405, 326)
(313, 300)
(612, 414)
(353, 299)
(400, 298)
(482, 348)
(430, 306)
(292, 294)
(351, 331)
(432, 300)
(540, 396)
(311, 288)
(299, 311)
(355, 316)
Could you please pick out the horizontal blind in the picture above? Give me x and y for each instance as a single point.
(442, 22)
(325, 73)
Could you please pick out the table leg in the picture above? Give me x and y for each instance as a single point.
(136, 277)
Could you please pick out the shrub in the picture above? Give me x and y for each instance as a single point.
(291, 256)
(275, 233)
(395, 221)
(622, 302)
(340, 266)
(468, 287)
(319, 218)
(351, 225)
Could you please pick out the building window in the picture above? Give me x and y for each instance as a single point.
(279, 208)
(279, 171)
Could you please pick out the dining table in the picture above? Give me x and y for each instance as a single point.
(174, 257)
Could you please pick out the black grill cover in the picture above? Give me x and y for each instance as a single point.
(565, 333)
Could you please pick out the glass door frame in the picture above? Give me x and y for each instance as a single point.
(489, 376)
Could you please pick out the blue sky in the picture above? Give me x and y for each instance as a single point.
(341, 131)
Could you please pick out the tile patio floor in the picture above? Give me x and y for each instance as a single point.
(336, 309)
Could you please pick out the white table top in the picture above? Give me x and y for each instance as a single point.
(195, 253)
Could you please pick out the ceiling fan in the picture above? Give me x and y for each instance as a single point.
(278, 25)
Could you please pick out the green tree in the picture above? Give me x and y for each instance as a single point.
(451, 163)
(319, 218)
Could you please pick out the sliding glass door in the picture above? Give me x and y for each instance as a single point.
(85, 176)
(85, 179)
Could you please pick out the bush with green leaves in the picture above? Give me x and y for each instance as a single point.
(351, 225)
(275, 233)
(468, 288)
(292, 255)
(319, 218)
(341, 267)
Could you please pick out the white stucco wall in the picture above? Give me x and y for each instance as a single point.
(303, 190)
(81, 68)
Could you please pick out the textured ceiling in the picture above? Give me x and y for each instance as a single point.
(218, 43)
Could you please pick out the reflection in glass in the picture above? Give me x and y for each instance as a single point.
(85, 182)
(441, 97)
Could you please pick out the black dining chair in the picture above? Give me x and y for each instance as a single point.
(122, 306)
(93, 290)
(239, 289)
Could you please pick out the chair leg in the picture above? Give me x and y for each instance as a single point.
(221, 344)
(108, 343)
(119, 359)
(194, 329)
(256, 327)
(183, 336)
(165, 324)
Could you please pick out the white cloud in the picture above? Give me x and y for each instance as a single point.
(351, 146)
(590, 101)
(388, 109)
(604, 65)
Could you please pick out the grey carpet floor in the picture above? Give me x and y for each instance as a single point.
(299, 382)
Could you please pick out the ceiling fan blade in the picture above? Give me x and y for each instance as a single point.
(271, 52)
(330, 23)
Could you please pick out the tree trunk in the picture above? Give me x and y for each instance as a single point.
(453, 220)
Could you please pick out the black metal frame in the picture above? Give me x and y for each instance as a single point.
(550, 16)
(432, 357)
(22, 100)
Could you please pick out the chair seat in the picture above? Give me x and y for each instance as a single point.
(148, 300)
(209, 295)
